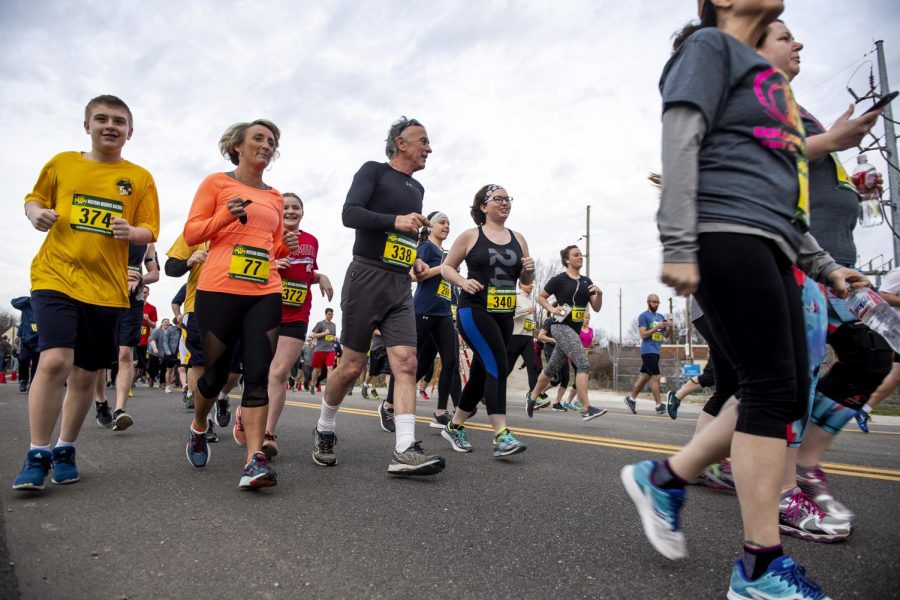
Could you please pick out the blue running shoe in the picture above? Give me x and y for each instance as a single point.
(64, 469)
(862, 420)
(506, 444)
(783, 580)
(659, 508)
(672, 404)
(35, 469)
(257, 473)
(197, 449)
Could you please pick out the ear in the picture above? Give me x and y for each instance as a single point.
(130, 132)
(87, 129)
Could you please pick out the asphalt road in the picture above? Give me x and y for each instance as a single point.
(552, 522)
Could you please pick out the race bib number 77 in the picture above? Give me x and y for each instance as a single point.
(249, 264)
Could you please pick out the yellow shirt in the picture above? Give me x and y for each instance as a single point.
(79, 256)
(182, 251)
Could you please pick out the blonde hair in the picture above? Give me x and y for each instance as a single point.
(234, 137)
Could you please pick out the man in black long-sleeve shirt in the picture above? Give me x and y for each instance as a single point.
(384, 206)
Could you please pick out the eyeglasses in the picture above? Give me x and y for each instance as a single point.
(501, 200)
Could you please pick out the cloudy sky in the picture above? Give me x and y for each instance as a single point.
(556, 101)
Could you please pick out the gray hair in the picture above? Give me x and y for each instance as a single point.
(397, 127)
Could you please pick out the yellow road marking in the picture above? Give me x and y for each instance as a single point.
(657, 448)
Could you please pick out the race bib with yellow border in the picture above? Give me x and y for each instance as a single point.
(399, 251)
(577, 314)
(249, 264)
(529, 325)
(443, 290)
(501, 300)
(94, 215)
(329, 338)
(293, 293)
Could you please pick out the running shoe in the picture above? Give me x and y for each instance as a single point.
(270, 446)
(783, 580)
(35, 469)
(543, 396)
(318, 389)
(413, 461)
(424, 395)
(660, 409)
(631, 404)
(862, 420)
(458, 438)
(800, 517)
(323, 448)
(576, 405)
(365, 392)
(104, 418)
(659, 508)
(812, 481)
(257, 473)
(211, 436)
(386, 416)
(533, 405)
(592, 413)
(718, 476)
(374, 393)
(121, 420)
(559, 407)
(223, 412)
(672, 404)
(237, 431)
(506, 444)
(440, 420)
(188, 402)
(131, 392)
(197, 449)
(168, 389)
(64, 469)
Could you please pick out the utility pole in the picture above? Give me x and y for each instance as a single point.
(671, 316)
(690, 328)
(587, 242)
(890, 140)
(620, 318)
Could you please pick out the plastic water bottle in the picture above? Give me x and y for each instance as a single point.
(870, 308)
(865, 178)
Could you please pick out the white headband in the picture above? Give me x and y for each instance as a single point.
(437, 217)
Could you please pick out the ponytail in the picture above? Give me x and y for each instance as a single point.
(708, 18)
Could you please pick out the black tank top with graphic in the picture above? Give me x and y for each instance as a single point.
(497, 268)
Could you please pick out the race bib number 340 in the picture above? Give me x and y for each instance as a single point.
(501, 300)
(249, 264)
(293, 293)
(399, 251)
(94, 215)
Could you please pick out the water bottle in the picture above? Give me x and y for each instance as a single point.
(865, 178)
(879, 316)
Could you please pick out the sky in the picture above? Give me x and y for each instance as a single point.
(558, 102)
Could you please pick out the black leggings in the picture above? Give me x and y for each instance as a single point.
(487, 336)
(436, 335)
(863, 361)
(751, 301)
(523, 345)
(225, 319)
(725, 379)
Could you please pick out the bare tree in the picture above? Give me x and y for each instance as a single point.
(633, 334)
(8, 319)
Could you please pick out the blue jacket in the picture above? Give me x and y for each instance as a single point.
(27, 332)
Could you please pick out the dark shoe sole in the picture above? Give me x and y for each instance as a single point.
(430, 468)
(516, 450)
(602, 412)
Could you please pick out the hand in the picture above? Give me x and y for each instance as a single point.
(528, 264)
(530, 310)
(236, 208)
(282, 263)
(134, 280)
(42, 219)
(291, 240)
(684, 277)
(559, 310)
(121, 230)
(595, 289)
(410, 223)
(470, 286)
(325, 287)
(848, 133)
(420, 269)
(842, 280)
(197, 258)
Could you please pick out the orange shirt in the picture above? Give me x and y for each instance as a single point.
(240, 259)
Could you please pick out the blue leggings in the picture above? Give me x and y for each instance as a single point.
(487, 335)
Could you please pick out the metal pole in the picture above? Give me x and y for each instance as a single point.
(587, 241)
(690, 328)
(620, 317)
(890, 140)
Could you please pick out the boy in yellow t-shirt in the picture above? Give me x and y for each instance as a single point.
(91, 205)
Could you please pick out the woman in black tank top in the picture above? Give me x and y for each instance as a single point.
(496, 258)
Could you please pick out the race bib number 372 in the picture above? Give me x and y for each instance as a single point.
(399, 251)
(94, 215)
(293, 293)
(249, 264)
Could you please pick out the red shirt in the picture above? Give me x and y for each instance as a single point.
(296, 280)
(148, 324)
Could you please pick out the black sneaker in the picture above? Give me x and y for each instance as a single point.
(592, 413)
(529, 404)
(660, 409)
(223, 412)
(188, 401)
(440, 420)
(672, 404)
(559, 408)
(121, 420)
(365, 392)
(104, 418)
(211, 436)
(387, 418)
(631, 404)
(414, 462)
(197, 449)
(323, 448)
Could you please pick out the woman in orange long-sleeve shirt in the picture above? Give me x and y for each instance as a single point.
(239, 290)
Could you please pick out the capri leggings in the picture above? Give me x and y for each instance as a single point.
(568, 348)
(725, 378)
(225, 319)
(436, 335)
(562, 377)
(487, 335)
(751, 301)
(523, 345)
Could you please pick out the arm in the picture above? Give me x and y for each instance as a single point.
(527, 274)
(814, 261)
(324, 285)
(845, 133)
(176, 267)
(596, 297)
(205, 219)
(152, 274)
(542, 300)
(450, 268)
(356, 215)
(544, 336)
(892, 299)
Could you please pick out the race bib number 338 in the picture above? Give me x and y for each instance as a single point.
(249, 264)
(399, 251)
(94, 215)
(501, 300)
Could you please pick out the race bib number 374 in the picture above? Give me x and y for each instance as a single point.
(94, 215)
(249, 264)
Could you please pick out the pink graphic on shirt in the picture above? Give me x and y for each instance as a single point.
(775, 96)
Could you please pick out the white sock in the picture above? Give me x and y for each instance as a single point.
(867, 409)
(405, 431)
(326, 417)
(36, 447)
(195, 431)
(60, 442)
